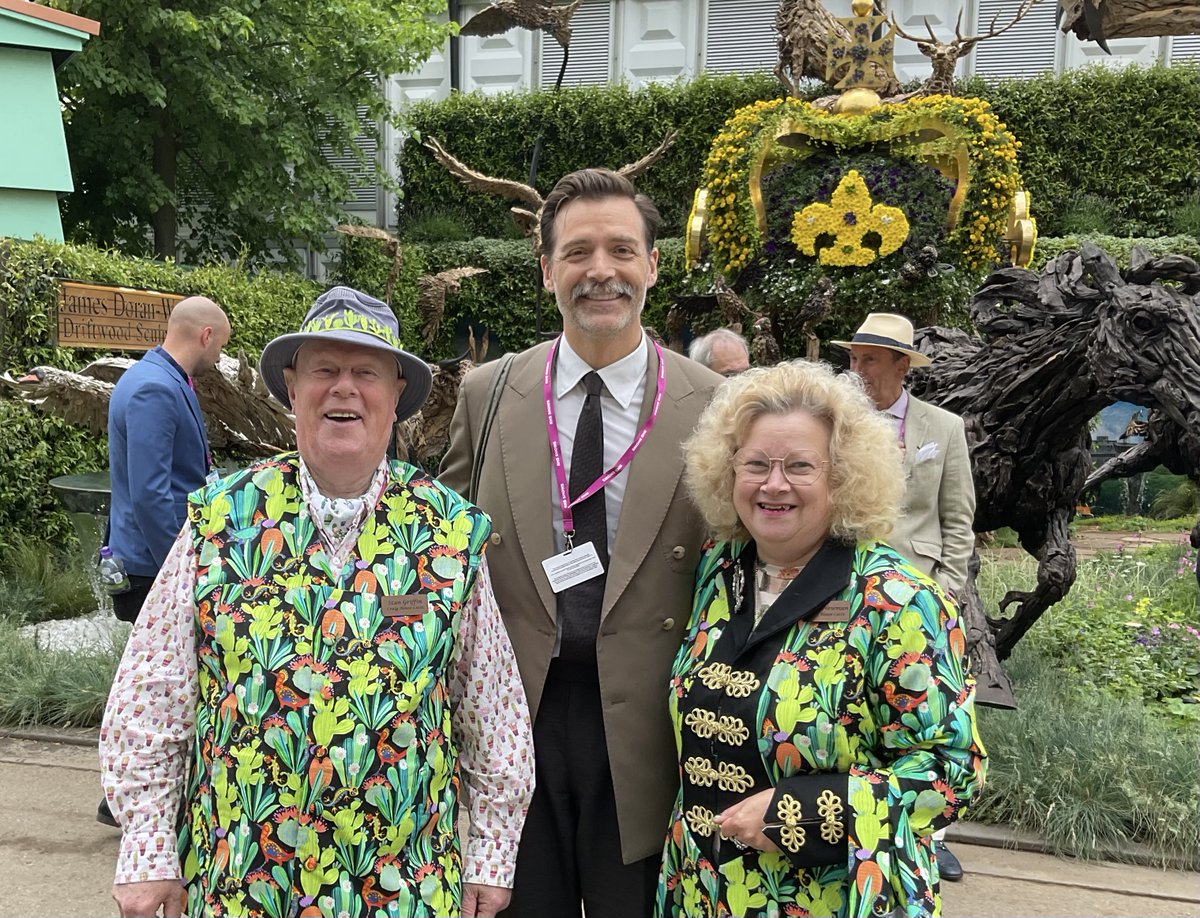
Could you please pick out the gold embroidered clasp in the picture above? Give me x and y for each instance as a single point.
(736, 683)
(701, 821)
(829, 808)
(729, 777)
(791, 833)
(727, 729)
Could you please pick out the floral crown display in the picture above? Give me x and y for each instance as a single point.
(904, 193)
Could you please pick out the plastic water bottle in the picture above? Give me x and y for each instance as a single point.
(112, 572)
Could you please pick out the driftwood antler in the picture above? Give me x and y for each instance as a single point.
(392, 246)
(944, 55)
(639, 167)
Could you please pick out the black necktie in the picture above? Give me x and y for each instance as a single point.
(579, 606)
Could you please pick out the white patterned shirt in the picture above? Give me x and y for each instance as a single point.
(149, 728)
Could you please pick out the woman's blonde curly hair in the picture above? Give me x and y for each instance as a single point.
(866, 474)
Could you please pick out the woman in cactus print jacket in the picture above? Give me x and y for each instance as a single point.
(822, 704)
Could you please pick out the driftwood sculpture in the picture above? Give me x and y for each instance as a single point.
(1100, 20)
(1055, 350)
(391, 245)
(527, 217)
(431, 297)
(526, 14)
(944, 55)
(239, 412)
(241, 416)
(804, 27)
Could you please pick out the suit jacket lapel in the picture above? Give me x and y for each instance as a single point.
(916, 433)
(654, 474)
(189, 397)
(525, 448)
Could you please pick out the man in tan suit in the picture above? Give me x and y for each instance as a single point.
(935, 527)
(594, 654)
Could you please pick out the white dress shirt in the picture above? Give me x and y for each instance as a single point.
(621, 404)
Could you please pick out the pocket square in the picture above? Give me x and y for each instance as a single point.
(927, 451)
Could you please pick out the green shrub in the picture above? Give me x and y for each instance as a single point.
(54, 688)
(1088, 773)
(39, 583)
(580, 127)
(1119, 247)
(1127, 136)
(1125, 630)
(36, 447)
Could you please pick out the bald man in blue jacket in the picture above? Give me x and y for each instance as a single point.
(158, 445)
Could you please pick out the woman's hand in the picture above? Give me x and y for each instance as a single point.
(742, 824)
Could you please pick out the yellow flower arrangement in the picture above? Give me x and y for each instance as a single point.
(848, 217)
(732, 229)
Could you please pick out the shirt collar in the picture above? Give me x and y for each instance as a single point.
(174, 364)
(620, 378)
(899, 408)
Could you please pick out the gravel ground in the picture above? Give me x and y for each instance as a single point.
(98, 631)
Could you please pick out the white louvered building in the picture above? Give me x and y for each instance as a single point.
(641, 41)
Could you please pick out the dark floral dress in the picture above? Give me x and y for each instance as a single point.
(851, 700)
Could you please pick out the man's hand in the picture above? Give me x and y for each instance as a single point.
(481, 901)
(143, 900)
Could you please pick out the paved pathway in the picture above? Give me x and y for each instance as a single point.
(56, 860)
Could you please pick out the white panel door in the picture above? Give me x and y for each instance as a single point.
(1125, 51)
(497, 63)
(656, 40)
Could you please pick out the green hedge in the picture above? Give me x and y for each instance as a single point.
(582, 127)
(36, 448)
(1124, 143)
(1128, 137)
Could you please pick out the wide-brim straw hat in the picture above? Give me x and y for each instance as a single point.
(345, 314)
(886, 329)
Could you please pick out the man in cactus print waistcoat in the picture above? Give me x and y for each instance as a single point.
(320, 668)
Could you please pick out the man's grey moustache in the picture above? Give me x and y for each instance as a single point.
(616, 288)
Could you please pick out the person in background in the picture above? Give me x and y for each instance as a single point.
(823, 712)
(611, 408)
(935, 528)
(723, 351)
(319, 666)
(158, 451)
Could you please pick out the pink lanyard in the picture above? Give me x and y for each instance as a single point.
(560, 475)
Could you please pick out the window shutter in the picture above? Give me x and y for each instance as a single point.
(591, 40)
(364, 187)
(1025, 50)
(1185, 48)
(740, 36)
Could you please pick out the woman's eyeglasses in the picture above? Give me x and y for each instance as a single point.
(800, 466)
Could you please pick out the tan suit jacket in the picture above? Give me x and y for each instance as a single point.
(935, 528)
(651, 571)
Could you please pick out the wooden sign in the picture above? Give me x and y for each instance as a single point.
(114, 318)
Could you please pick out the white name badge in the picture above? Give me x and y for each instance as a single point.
(572, 567)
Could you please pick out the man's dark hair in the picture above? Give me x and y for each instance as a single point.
(593, 185)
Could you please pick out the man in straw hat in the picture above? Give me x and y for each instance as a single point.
(318, 664)
(935, 527)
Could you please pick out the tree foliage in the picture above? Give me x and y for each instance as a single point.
(227, 112)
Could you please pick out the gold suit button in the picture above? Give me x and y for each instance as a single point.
(496, 540)
(678, 552)
(668, 624)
